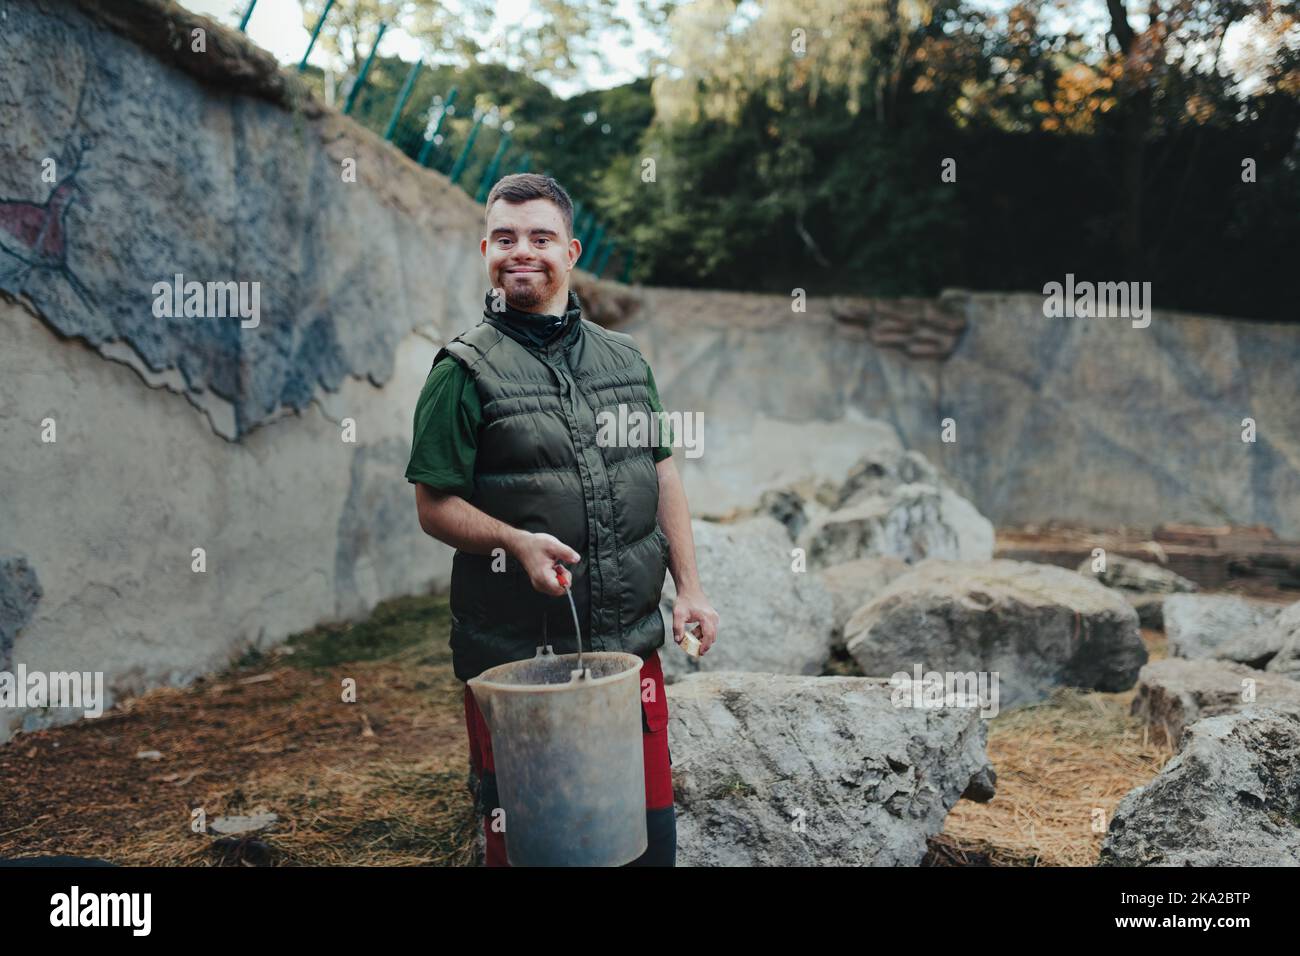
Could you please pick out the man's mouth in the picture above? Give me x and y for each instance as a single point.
(517, 272)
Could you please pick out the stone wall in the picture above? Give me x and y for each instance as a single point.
(1075, 419)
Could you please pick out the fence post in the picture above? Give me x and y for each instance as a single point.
(402, 98)
(428, 146)
(490, 174)
(525, 163)
(627, 267)
(590, 255)
(463, 158)
(604, 258)
(365, 70)
(584, 233)
(247, 13)
(302, 64)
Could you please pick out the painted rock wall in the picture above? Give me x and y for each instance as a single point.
(209, 431)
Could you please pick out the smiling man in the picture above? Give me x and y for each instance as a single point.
(507, 470)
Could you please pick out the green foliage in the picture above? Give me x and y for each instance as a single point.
(395, 625)
(776, 171)
(777, 166)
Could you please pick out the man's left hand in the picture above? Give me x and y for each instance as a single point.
(694, 606)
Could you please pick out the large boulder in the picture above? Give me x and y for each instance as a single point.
(1257, 646)
(1143, 584)
(854, 583)
(1036, 626)
(771, 618)
(1175, 692)
(777, 770)
(1284, 632)
(1230, 797)
(912, 522)
(891, 502)
(1196, 625)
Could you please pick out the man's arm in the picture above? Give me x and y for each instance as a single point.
(454, 521)
(675, 519)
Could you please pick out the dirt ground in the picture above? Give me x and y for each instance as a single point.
(378, 781)
(382, 781)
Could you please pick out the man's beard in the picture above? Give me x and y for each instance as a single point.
(528, 295)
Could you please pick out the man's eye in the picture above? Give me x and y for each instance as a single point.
(543, 240)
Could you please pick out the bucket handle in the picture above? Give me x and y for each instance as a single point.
(544, 649)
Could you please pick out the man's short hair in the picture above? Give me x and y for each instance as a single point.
(521, 187)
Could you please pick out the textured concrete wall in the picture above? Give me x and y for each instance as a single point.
(157, 174)
(183, 433)
(1080, 419)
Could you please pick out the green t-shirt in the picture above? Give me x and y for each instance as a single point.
(447, 420)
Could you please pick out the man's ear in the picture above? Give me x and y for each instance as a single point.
(482, 247)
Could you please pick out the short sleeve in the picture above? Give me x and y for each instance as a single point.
(664, 450)
(447, 419)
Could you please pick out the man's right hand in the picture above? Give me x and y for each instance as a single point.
(537, 552)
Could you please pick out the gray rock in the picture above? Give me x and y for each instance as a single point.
(774, 770)
(1284, 633)
(1150, 608)
(1197, 624)
(853, 584)
(241, 826)
(912, 522)
(1230, 797)
(787, 507)
(1036, 626)
(1257, 646)
(771, 618)
(1175, 692)
(1142, 583)
(1131, 574)
(882, 469)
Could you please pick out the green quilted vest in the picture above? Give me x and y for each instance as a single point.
(538, 467)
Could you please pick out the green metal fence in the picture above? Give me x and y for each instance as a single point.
(424, 137)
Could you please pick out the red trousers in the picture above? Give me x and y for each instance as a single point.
(660, 820)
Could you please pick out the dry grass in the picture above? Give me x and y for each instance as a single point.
(377, 782)
(1058, 763)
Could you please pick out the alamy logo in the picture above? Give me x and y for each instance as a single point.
(102, 909)
(1102, 300)
(933, 690)
(208, 300)
(638, 429)
(82, 690)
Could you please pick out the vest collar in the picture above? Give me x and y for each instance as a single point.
(538, 331)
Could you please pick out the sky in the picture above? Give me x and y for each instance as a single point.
(277, 26)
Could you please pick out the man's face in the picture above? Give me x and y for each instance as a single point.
(528, 252)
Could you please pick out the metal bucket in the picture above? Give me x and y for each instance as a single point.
(567, 744)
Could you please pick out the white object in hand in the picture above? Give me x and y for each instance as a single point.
(689, 642)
